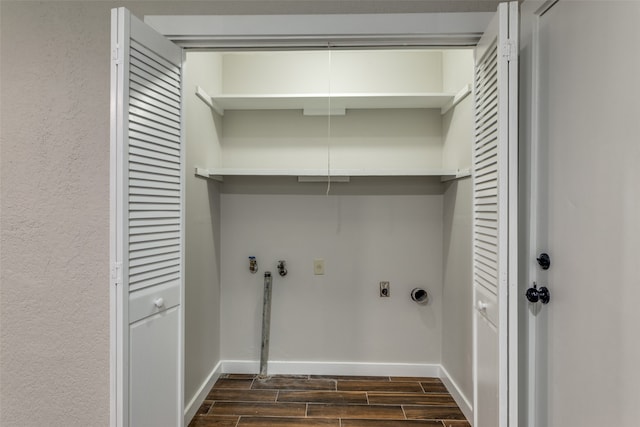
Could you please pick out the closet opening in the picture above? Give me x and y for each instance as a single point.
(355, 159)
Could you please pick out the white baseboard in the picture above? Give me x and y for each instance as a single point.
(333, 368)
(456, 393)
(201, 394)
(240, 366)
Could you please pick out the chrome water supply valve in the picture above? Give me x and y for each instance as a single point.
(282, 270)
(253, 265)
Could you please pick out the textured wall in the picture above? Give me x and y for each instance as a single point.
(55, 215)
(54, 308)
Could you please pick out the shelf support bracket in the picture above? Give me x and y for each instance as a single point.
(460, 173)
(464, 92)
(204, 96)
(204, 173)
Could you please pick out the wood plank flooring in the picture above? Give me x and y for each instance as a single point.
(239, 400)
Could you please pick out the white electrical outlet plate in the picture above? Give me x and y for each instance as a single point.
(318, 267)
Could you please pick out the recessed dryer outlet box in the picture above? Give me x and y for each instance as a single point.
(385, 290)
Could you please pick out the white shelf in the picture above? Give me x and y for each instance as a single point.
(338, 100)
(460, 173)
(334, 172)
(338, 174)
(316, 103)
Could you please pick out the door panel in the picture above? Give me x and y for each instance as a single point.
(487, 377)
(147, 225)
(153, 300)
(486, 318)
(154, 369)
(495, 182)
(589, 112)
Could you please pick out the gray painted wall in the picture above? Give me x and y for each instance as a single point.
(202, 230)
(54, 299)
(338, 316)
(457, 294)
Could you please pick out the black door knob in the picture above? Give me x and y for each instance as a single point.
(544, 295)
(544, 261)
(536, 294)
(532, 294)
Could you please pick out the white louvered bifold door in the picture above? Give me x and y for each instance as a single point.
(147, 225)
(495, 181)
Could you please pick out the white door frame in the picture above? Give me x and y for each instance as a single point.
(319, 31)
(309, 31)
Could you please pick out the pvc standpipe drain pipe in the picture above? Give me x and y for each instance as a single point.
(266, 324)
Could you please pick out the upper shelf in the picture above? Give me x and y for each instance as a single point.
(316, 104)
(340, 100)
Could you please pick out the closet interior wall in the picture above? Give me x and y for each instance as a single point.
(202, 229)
(457, 298)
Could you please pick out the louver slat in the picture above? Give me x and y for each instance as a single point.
(141, 91)
(485, 239)
(142, 245)
(154, 182)
(151, 58)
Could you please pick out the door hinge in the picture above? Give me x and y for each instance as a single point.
(509, 50)
(116, 55)
(116, 273)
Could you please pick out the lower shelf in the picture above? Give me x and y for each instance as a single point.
(338, 175)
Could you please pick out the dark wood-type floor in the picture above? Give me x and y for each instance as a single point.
(238, 400)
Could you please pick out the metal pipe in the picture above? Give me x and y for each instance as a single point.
(266, 324)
